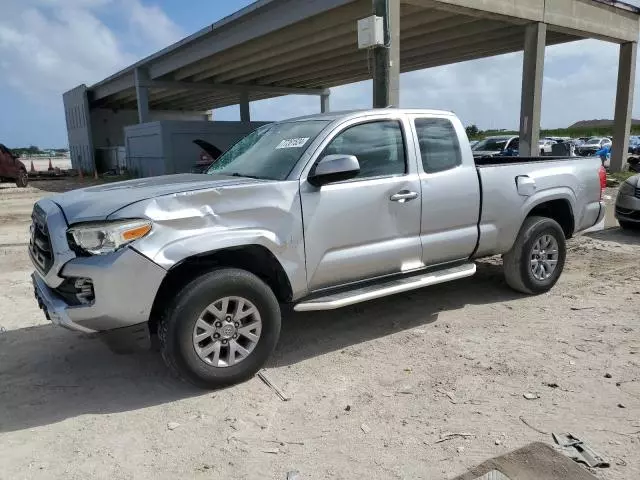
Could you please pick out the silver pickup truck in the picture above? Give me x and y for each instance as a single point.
(318, 212)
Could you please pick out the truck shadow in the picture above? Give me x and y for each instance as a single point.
(48, 374)
(617, 234)
(309, 334)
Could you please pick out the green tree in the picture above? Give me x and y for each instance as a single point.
(473, 131)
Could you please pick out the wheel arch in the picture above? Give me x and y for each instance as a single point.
(558, 209)
(254, 258)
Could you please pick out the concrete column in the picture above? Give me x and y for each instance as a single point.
(386, 59)
(141, 78)
(324, 102)
(624, 105)
(532, 74)
(245, 113)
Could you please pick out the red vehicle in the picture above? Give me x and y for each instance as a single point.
(12, 169)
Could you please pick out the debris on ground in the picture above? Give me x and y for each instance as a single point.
(531, 396)
(451, 436)
(365, 428)
(579, 451)
(172, 425)
(523, 420)
(262, 374)
(294, 475)
(607, 375)
(622, 405)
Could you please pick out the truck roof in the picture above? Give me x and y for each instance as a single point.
(346, 114)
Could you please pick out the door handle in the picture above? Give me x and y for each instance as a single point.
(404, 196)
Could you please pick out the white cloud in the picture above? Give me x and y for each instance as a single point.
(50, 46)
(157, 30)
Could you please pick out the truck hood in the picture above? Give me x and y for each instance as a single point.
(98, 202)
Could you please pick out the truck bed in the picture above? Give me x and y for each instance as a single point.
(496, 160)
(574, 180)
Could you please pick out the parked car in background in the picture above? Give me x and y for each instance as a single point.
(545, 146)
(317, 213)
(628, 203)
(209, 154)
(12, 169)
(473, 143)
(591, 146)
(634, 145)
(496, 146)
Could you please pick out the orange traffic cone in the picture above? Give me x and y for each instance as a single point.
(50, 165)
(33, 169)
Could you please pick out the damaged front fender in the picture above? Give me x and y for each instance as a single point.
(186, 224)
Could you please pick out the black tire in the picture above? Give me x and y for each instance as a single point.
(628, 225)
(517, 261)
(23, 179)
(177, 326)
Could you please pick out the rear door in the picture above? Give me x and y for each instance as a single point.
(368, 226)
(450, 190)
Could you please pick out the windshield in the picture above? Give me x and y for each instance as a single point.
(593, 141)
(270, 152)
(491, 144)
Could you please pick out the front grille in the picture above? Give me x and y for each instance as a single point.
(39, 243)
(637, 192)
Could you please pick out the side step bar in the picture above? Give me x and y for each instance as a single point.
(390, 287)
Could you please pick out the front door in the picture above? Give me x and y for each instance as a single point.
(368, 226)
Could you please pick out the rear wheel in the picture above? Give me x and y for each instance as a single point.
(220, 329)
(23, 179)
(536, 260)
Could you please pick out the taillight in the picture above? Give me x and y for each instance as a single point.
(603, 181)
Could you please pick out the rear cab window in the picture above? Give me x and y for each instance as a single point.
(439, 145)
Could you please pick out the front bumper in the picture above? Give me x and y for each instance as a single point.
(55, 309)
(628, 208)
(125, 283)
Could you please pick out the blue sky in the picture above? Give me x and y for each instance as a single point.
(50, 46)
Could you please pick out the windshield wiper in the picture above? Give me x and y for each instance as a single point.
(235, 174)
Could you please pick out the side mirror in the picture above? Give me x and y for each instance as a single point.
(334, 168)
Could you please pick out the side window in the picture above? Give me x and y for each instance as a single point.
(515, 144)
(378, 146)
(439, 145)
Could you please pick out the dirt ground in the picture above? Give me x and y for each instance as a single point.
(374, 388)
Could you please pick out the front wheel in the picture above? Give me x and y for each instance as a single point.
(220, 329)
(23, 179)
(536, 260)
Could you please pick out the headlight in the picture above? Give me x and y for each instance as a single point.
(626, 189)
(107, 237)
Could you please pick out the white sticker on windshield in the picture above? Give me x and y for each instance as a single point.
(292, 142)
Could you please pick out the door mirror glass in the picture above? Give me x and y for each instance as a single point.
(334, 168)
